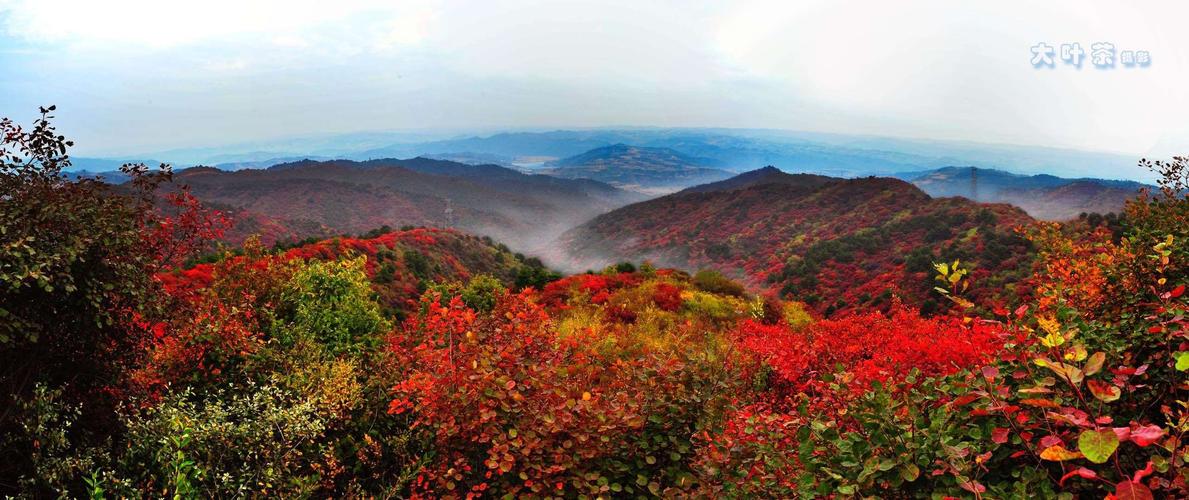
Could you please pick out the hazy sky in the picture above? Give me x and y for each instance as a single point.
(146, 75)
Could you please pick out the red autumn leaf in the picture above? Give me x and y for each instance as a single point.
(1146, 435)
(999, 435)
(1103, 391)
(1043, 403)
(990, 372)
(1050, 441)
(965, 399)
(1142, 473)
(1081, 472)
(1131, 490)
(1020, 311)
(1177, 292)
(973, 487)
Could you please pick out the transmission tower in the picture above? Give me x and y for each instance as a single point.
(973, 184)
(449, 214)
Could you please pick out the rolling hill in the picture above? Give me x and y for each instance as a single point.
(834, 243)
(640, 168)
(310, 198)
(766, 175)
(1043, 196)
(399, 263)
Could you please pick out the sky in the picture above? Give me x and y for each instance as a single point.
(139, 76)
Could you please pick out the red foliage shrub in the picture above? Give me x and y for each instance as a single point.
(213, 338)
(740, 458)
(871, 347)
(667, 297)
(598, 287)
(450, 256)
(182, 227)
(509, 405)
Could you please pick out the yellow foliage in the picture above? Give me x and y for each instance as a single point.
(796, 314)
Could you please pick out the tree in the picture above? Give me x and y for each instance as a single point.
(77, 267)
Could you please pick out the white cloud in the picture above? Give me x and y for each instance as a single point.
(154, 24)
(173, 73)
(960, 69)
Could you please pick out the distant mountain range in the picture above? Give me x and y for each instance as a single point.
(645, 169)
(835, 243)
(95, 165)
(312, 198)
(472, 158)
(265, 162)
(838, 155)
(1042, 196)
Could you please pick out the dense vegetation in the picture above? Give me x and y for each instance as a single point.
(428, 363)
(838, 245)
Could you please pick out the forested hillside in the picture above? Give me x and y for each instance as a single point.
(293, 201)
(427, 363)
(1045, 197)
(839, 244)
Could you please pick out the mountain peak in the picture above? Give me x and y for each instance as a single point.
(765, 175)
(639, 167)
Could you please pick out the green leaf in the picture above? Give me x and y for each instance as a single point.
(1098, 446)
(910, 472)
(1182, 360)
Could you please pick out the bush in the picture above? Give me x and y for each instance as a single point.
(482, 292)
(330, 302)
(714, 282)
(77, 287)
(262, 440)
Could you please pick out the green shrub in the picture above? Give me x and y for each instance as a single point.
(714, 282)
(482, 292)
(332, 303)
(261, 440)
